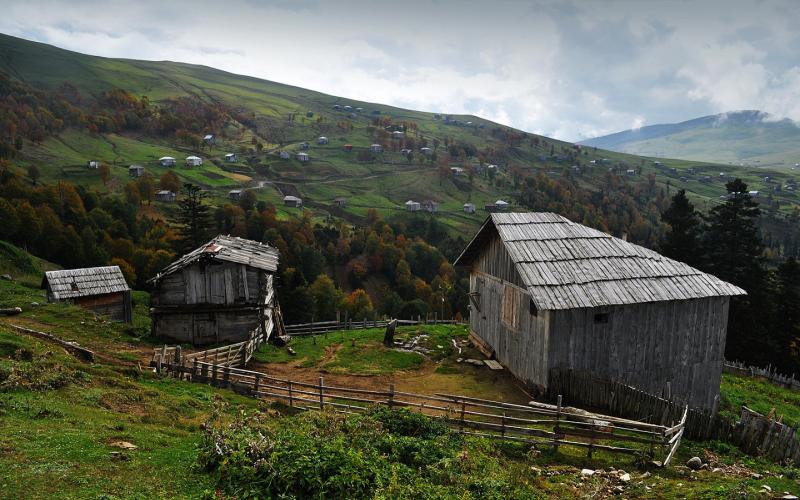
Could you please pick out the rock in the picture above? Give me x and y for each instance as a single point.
(694, 463)
(618, 490)
(766, 488)
(281, 340)
(291, 351)
(587, 473)
(7, 277)
(536, 471)
(124, 445)
(788, 496)
(716, 470)
(656, 463)
(625, 477)
(460, 360)
(34, 304)
(645, 475)
(439, 346)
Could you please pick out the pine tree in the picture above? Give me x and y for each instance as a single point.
(787, 320)
(194, 218)
(682, 240)
(734, 253)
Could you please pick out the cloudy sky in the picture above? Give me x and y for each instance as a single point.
(568, 69)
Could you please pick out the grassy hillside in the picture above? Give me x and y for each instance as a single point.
(739, 138)
(281, 117)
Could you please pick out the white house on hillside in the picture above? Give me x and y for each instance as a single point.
(193, 161)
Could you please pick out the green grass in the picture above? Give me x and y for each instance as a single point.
(759, 395)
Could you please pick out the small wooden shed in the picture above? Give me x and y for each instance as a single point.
(165, 196)
(136, 170)
(231, 158)
(217, 293)
(293, 201)
(547, 293)
(167, 161)
(303, 157)
(102, 290)
(193, 161)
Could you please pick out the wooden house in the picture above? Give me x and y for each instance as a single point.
(102, 290)
(210, 139)
(93, 164)
(165, 196)
(293, 201)
(340, 202)
(235, 194)
(303, 157)
(231, 158)
(167, 161)
(322, 140)
(547, 293)
(309, 114)
(136, 170)
(347, 148)
(398, 134)
(469, 208)
(376, 148)
(193, 161)
(425, 150)
(217, 293)
(430, 206)
(284, 155)
(501, 205)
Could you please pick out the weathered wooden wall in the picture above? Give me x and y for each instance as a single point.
(210, 303)
(116, 306)
(500, 316)
(648, 346)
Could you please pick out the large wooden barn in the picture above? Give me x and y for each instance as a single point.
(102, 290)
(547, 293)
(217, 293)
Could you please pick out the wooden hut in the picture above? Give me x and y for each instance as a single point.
(167, 161)
(136, 170)
(547, 293)
(165, 196)
(193, 161)
(99, 289)
(217, 293)
(231, 158)
(235, 194)
(292, 201)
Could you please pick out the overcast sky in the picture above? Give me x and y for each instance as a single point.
(570, 70)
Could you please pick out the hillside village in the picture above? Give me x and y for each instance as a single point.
(249, 289)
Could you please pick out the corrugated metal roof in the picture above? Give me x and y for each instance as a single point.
(228, 249)
(72, 283)
(565, 265)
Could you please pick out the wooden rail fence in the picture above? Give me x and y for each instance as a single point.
(537, 424)
(318, 327)
(768, 373)
(753, 433)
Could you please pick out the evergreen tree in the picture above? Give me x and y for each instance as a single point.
(734, 253)
(682, 240)
(787, 320)
(194, 218)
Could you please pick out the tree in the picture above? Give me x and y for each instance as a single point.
(132, 194)
(327, 298)
(126, 268)
(194, 217)
(787, 318)
(734, 253)
(10, 220)
(247, 200)
(29, 224)
(105, 173)
(147, 188)
(34, 174)
(170, 182)
(358, 305)
(682, 239)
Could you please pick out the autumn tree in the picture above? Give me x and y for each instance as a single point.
(105, 173)
(327, 298)
(358, 305)
(34, 174)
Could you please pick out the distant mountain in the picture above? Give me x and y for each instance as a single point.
(749, 137)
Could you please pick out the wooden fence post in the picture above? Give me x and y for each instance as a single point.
(291, 399)
(226, 375)
(463, 410)
(195, 371)
(257, 383)
(503, 426)
(557, 429)
(391, 395)
(321, 392)
(214, 374)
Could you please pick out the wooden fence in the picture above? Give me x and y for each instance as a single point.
(767, 373)
(317, 327)
(538, 424)
(753, 433)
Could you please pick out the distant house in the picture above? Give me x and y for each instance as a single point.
(425, 150)
(235, 194)
(348, 108)
(304, 146)
(102, 290)
(337, 107)
(347, 148)
(284, 155)
(136, 170)
(492, 168)
(303, 157)
(165, 196)
(231, 158)
(630, 171)
(210, 139)
(657, 163)
(753, 194)
(398, 134)
(376, 148)
(469, 208)
(457, 171)
(93, 164)
(405, 151)
(322, 140)
(340, 202)
(501, 205)
(293, 201)
(309, 114)
(193, 161)
(430, 206)
(167, 161)
(490, 207)
(412, 206)
(359, 110)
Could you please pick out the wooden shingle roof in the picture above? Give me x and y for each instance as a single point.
(228, 249)
(72, 283)
(565, 265)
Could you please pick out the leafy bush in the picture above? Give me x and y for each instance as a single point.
(381, 453)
